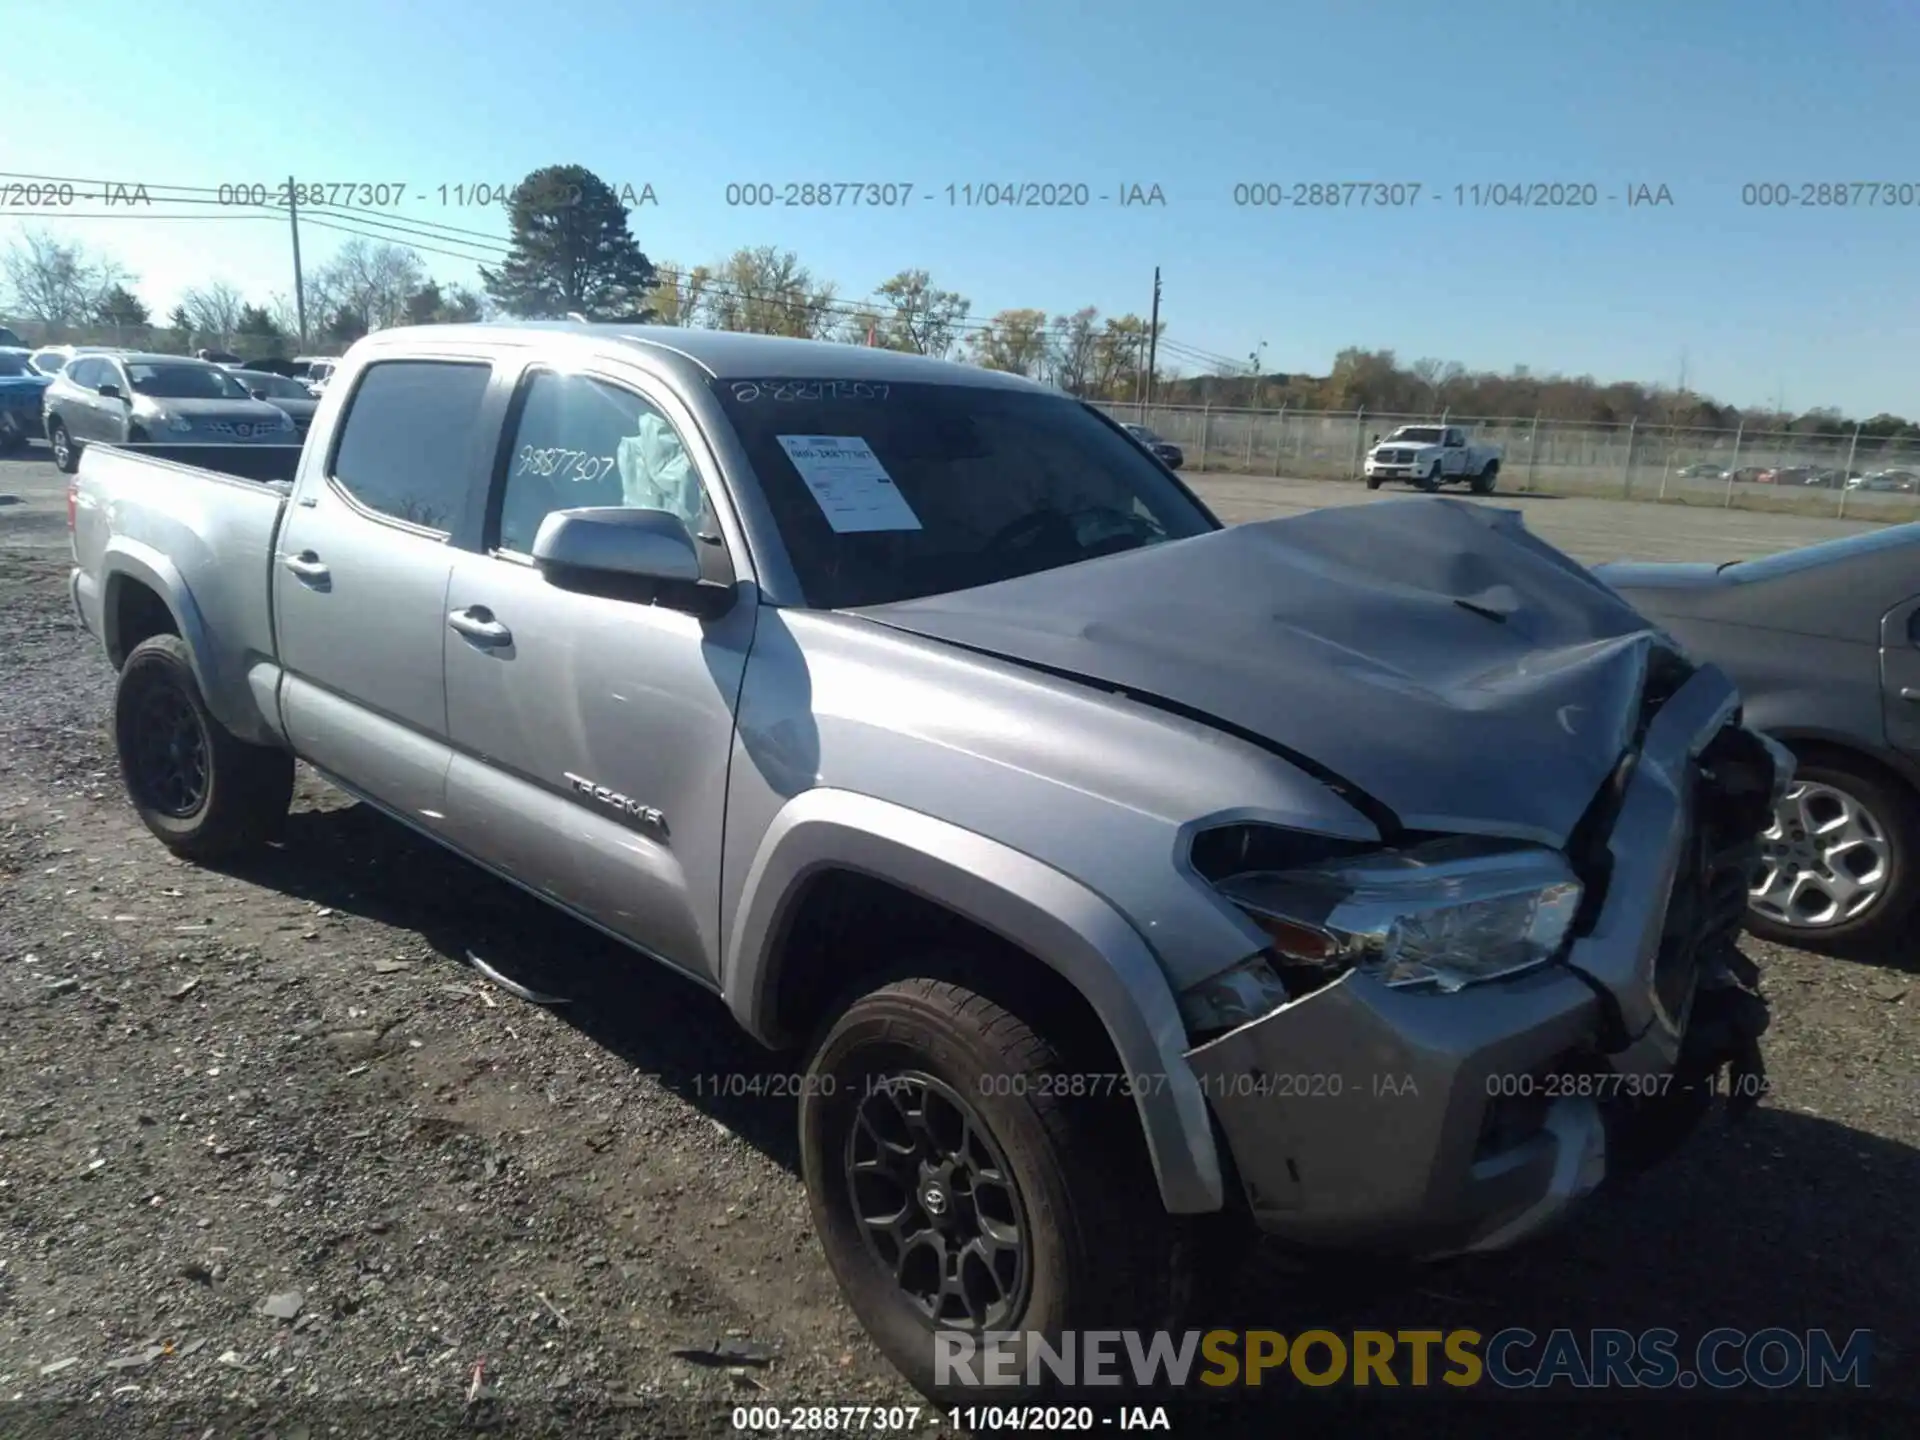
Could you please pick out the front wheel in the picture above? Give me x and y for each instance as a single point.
(959, 1186)
(66, 454)
(1433, 479)
(1484, 482)
(1373, 482)
(1835, 865)
(203, 791)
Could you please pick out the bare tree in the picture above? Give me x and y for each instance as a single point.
(373, 279)
(1016, 341)
(214, 309)
(59, 282)
(1075, 342)
(1439, 376)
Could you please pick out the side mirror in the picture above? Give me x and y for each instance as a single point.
(258, 394)
(111, 391)
(628, 554)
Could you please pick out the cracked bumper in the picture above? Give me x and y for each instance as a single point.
(1421, 1124)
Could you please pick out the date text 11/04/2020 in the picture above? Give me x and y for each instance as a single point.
(1410, 194)
(971, 194)
(381, 194)
(1315, 1085)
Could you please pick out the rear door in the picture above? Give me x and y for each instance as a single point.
(80, 402)
(591, 735)
(1900, 675)
(360, 580)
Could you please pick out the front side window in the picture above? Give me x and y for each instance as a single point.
(406, 446)
(886, 492)
(87, 373)
(579, 443)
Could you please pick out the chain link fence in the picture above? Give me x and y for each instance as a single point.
(1863, 476)
(162, 339)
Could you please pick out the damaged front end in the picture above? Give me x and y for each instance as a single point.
(1449, 1041)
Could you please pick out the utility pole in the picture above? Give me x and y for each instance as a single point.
(299, 285)
(1153, 335)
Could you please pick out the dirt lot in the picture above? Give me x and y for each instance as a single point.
(283, 1089)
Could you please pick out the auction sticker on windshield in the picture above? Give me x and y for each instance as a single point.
(849, 482)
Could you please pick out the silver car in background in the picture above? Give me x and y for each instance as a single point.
(135, 399)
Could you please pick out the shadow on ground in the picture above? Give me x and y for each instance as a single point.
(1786, 1220)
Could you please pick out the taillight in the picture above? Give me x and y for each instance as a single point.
(73, 502)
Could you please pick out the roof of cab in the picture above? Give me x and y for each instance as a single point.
(732, 354)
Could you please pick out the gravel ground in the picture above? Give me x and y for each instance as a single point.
(274, 1156)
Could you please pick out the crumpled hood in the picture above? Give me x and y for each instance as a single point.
(1367, 641)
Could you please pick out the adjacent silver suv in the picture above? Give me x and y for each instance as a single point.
(130, 398)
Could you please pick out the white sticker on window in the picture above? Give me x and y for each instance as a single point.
(853, 487)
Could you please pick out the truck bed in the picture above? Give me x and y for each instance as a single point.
(144, 519)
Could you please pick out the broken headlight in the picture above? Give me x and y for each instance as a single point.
(1444, 914)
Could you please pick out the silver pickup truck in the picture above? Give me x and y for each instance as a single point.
(1123, 876)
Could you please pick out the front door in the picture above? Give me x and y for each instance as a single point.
(360, 583)
(1900, 675)
(591, 735)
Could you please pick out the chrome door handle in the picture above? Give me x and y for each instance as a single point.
(306, 565)
(477, 624)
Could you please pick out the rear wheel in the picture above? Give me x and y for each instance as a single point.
(958, 1186)
(198, 787)
(1484, 482)
(66, 454)
(1837, 866)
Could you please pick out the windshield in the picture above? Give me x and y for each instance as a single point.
(886, 492)
(1827, 552)
(49, 362)
(185, 382)
(1418, 434)
(15, 365)
(278, 387)
(1141, 432)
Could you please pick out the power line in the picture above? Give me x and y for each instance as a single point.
(411, 228)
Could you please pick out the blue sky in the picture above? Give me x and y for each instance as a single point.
(1807, 306)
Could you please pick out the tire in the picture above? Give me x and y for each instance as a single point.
(1373, 482)
(1886, 818)
(1433, 479)
(1099, 1251)
(1484, 482)
(66, 453)
(203, 791)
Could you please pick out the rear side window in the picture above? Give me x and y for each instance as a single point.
(406, 446)
(87, 373)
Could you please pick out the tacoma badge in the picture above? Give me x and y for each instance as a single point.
(643, 817)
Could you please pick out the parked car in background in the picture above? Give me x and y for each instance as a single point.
(1824, 643)
(289, 395)
(1750, 474)
(218, 357)
(135, 399)
(1430, 456)
(1894, 481)
(1787, 475)
(1168, 453)
(21, 390)
(1702, 471)
(319, 371)
(274, 365)
(52, 359)
(967, 751)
